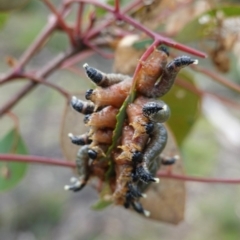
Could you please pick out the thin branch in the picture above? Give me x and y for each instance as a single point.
(131, 21)
(163, 40)
(218, 78)
(36, 159)
(197, 179)
(76, 58)
(93, 2)
(78, 26)
(192, 88)
(43, 73)
(60, 21)
(64, 163)
(117, 6)
(99, 51)
(40, 81)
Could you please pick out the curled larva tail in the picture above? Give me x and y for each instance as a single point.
(83, 170)
(169, 75)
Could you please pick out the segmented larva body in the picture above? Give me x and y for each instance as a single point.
(105, 118)
(152, 151)
(140, 123)
(114, 95)
(169, 75)
(102, 136)
(151, 71)
(123, 169)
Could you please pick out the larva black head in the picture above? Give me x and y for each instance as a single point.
(93, 74)
(87, 118)
(164, 49)
(137, 157)
(151, 108)
(149, 127)
(157, 111)
(183, 61)
(88, 94)
(92, 154)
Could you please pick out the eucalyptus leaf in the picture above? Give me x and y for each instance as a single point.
(101, 204)
(12, 172)
(185, 107)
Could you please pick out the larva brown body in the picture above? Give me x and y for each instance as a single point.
(123, 169)
(106, 118)
(136, 118)
(150, 72)
(136, 156)
(102, 136)
(111, 96)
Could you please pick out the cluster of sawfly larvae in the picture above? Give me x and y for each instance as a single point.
(136, 157)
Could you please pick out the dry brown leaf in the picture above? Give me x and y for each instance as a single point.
(126, 57)
(166, 200)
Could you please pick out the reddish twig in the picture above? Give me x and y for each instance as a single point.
(60, 21)
(197, 179)
(99, 51)
(76, 58)
(78, 26)
(36, 159)
(38, 80)
(119, 15)
(218, 78)
(192, 88)
(42, 73)
(64, 163)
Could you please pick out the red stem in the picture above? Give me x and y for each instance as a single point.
(64, 163)
(218, 78)
(197, 179)
(38, 80)
(36, 159)
(78, 28)
(118, 15)
(61, 22)
(201, 93)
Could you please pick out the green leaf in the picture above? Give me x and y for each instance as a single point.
(203, 25)
(103, 202)
(184, 106)
(3, 19)
(142, 44)
(12, 172)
